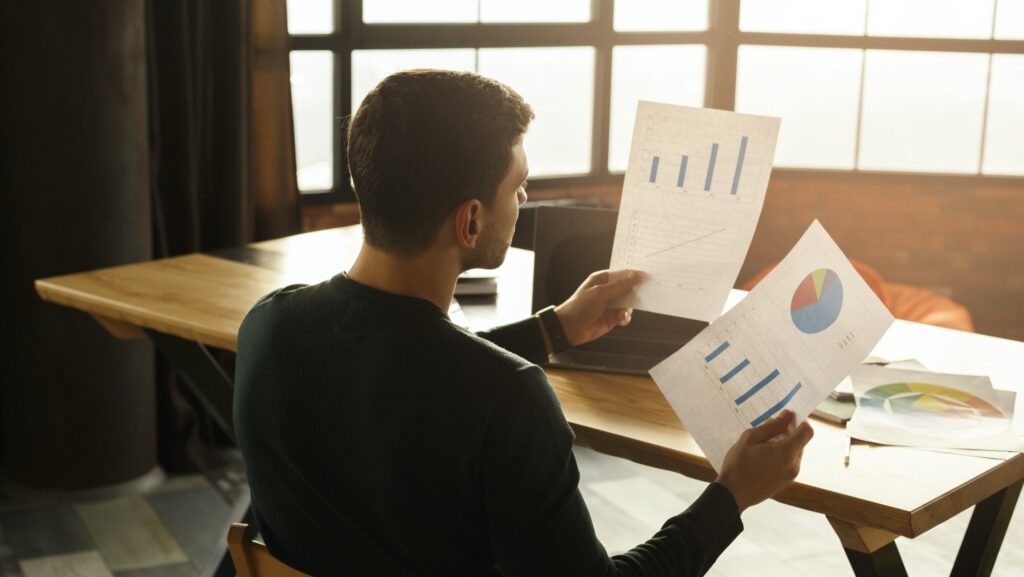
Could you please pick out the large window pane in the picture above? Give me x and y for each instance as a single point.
(559, 84)
(639, 15)
(1004, 134)
(369, 67)
(413, 11)
(673, 74)
(1010, 20)
(312, 96)
(310, 16)
(535, 11)
(931, 18)
(804, 16)
(923, 111)
(814, 90)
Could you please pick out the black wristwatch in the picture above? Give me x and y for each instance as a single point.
(553, 326)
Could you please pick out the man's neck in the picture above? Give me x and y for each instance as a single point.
(430, 276)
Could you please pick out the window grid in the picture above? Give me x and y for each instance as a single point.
(722, 38)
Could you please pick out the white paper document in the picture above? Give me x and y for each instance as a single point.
(924, 409)
(691, 199)
(786, 345)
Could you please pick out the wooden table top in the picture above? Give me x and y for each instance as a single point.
(904, 491)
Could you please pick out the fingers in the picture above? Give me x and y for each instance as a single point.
(617, 317)
(596, 278)
(772, 427)
(624, 316)
(798, 439)
(619, 283)
(603, 278)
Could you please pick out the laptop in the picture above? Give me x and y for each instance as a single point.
(569, 244)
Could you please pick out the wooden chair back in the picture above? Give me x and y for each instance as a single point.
(252, 558)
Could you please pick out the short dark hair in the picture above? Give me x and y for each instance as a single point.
(423, 142)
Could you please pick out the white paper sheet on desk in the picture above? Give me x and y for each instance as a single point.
(786, 345)
(691, 199)
(924, 409)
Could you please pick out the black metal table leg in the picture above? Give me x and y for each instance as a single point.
(203, 374)
(214, 388)
(985, 533)
(885, 562)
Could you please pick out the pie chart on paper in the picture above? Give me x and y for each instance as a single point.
(943, 411)
(817, 301)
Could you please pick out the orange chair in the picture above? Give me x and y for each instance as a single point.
(905, 302)
(252, 558)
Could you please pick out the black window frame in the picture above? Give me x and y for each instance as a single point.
(722, 38)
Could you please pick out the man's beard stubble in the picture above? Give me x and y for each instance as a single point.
(490, 252)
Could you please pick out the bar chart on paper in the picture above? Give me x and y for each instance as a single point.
(680, 162)
(693, 192)
(748, 380)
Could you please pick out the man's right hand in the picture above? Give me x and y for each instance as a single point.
(764, 460)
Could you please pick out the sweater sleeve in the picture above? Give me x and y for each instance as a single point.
(537, 519)
(523, 338)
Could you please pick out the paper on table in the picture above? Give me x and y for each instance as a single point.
(786, 345)
(924, 409)
(691, 199)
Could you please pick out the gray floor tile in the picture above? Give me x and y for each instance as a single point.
(84, 564)
(181, 483)
(41, 532)
(195, 518)
(9, 567)
(176, 570)
(130, 535)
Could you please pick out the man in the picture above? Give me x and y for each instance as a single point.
(381, 439)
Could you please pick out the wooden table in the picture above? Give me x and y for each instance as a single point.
(188, 303)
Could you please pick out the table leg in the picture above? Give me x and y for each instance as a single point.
(985, 533)
(882, 562)
(872, 552)
(203, 374)
(214, 388)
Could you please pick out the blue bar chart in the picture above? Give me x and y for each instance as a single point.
(776, 407)
(739, 166)
(758, 396)
(712, 165)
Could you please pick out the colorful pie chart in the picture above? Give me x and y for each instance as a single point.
(817, 301)
(932, 407)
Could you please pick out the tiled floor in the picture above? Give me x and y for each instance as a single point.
(174, 530)
(171, 531)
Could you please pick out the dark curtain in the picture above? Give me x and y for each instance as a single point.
(222, 157)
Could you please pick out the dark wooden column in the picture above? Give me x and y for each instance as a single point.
(77, 405)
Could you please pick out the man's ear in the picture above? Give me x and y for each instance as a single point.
(468, 223)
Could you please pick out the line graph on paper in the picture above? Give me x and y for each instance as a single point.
(679, 250)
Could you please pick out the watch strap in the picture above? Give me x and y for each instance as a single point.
(553, 326)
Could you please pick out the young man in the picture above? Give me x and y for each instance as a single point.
(381, 439)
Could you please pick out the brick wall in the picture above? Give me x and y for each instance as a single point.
(952, 235)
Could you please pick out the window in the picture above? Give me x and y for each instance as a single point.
(918, 86)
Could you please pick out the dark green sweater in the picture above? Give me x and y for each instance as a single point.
(381, 439)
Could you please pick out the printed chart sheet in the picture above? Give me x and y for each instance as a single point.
(690, 203)
(924, 409)
(787, 345)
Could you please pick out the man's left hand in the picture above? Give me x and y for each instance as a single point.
(588, 313)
